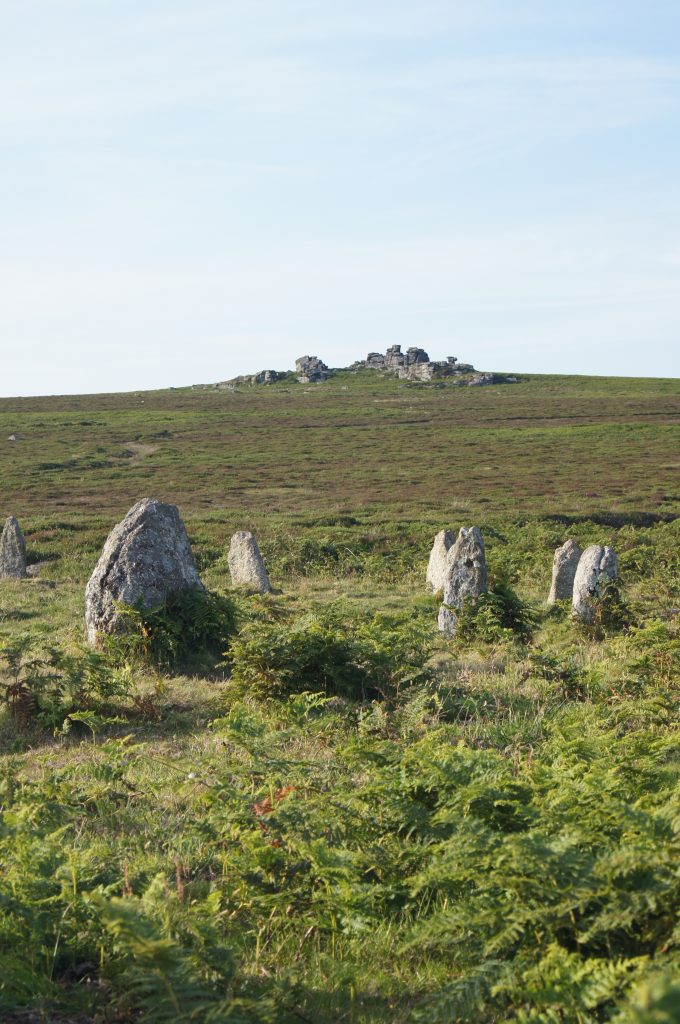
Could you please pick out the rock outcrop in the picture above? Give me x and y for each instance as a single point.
(414, 364)
(246, 565)
(395, 359)
(596, 563)
(565, 564)
(466, 576)
(311, 370)
(264, 377)
(439, 560)
(12, 551)
(146, 557)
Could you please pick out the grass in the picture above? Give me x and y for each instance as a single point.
(493, 838)
(359, 442)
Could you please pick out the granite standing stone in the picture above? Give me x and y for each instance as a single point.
(246, 565)
(12, 551)
(466, 576)
(439, 560)
(596, 563)
(146, 557)
(565, 563)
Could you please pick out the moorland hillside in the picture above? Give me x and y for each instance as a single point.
(310, 805)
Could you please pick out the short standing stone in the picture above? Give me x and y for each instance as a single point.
(596, 563)
(12, 551)
(246, 564)
(438, 564)
(466, 576)
(146, 557)
(564, 569)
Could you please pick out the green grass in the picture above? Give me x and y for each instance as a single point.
(359, 442)
(490, 834)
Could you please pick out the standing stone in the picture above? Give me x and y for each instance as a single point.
(595, 563)
(12, 551)
(438, 564)
(564, 569)
(466, 576)
(246, 564)
(146, 557)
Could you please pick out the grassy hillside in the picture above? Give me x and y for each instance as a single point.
(566, 445)
(322, 811)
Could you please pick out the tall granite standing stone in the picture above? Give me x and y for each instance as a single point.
(246, 565)
(146, 557)
(466, 576)
(596, 563)
(439, 560)
(12, 551)
(565, 563)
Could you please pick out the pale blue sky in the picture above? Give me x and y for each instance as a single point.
(196, 189)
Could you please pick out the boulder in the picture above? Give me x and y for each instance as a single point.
(12, 551)
(394, 358)
(311, 370)
(596, 563)
(438, 563)
(418, 371)
(416, 355)
(246, 564)
(564, 569)
(466, 576)
(146, 557)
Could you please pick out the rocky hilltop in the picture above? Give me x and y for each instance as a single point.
(414, 365)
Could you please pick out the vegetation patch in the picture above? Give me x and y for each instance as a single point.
(188, 630)
(309, 806)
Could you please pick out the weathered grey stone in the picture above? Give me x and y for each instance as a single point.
(565, 563)
(447, 621)
(416, 355)
(264, 377)
(596, 563)
(466, 576)
(438, 563)
(12, 551)
(246, 564)
(414, 364)
(146, 557)
(311, 370)
(394, 357)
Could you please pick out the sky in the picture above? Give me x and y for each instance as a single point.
(192, 190)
